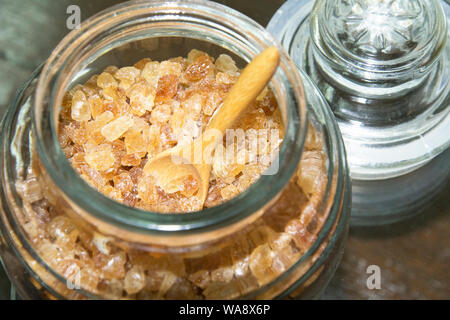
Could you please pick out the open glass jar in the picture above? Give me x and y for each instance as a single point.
(63, 239)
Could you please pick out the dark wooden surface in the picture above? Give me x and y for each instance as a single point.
(414, 256)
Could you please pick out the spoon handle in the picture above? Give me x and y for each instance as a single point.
(251, 82)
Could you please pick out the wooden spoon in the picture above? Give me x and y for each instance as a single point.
(171, 167)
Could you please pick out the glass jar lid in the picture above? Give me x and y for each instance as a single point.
(384, 67)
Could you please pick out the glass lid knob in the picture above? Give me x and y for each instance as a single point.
(379, 30)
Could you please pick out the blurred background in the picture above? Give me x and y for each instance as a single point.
(414, 255)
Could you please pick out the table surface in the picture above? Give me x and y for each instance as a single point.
(413, 256)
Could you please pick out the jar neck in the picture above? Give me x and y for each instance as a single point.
(378, 48)
(102, 37)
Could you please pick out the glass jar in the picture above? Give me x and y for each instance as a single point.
(383, 67)
(62, 239)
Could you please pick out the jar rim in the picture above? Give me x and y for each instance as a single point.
(135, 220)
